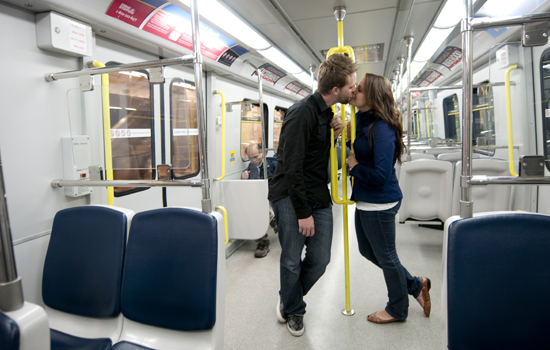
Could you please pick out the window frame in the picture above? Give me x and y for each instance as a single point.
(180, 80)
(153, 141)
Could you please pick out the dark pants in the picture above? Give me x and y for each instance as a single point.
(297, 275)
(376, 238)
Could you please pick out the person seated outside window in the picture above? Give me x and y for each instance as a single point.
(255, 170)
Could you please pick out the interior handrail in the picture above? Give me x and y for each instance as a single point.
(125, 183)
(223, 136)
(509, 120)
(482, 180)
(224, 222)
(340, 12)
(105, 101)
(185, 60)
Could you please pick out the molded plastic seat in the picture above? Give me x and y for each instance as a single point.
(485, 198)
(173, 287)
(414, 156)
(427, 188)
(83, 274)
(496, 281)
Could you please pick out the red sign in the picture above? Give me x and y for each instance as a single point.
(130, 11)
(450, 57)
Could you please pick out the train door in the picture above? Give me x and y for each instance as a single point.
(541, 74)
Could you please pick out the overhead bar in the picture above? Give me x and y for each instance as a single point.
(456, 87)
(185, 60)
(125, 183)
(487, 22)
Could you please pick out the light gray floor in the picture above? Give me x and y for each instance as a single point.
(253, 284)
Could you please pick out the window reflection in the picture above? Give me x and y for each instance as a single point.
(251, 126)
(131, 128)
(545, 91)
(278, 117)
(184, 129)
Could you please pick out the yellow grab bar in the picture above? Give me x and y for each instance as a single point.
(223, 136)
(107, 132)
(428, 120)
(224, 222)
(509, 120)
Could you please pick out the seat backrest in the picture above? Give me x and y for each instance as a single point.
(414, 156)
(9, 333)
(485, 198)
(174, 279)
(83, 269)
(496, 280)
(427, 188)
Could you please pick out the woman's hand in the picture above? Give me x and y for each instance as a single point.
(351, 160)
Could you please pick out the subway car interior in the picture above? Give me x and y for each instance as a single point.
(133, 192)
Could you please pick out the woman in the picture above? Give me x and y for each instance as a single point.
(378, 145)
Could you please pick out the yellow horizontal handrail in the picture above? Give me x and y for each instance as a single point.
(223, 136)
(224, 222)
(509, 120)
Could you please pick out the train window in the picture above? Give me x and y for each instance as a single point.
(184, 133)
(451, 118)
(545, 98)
(483, 128)
(278, 117)
(132, 136)
(251, 126)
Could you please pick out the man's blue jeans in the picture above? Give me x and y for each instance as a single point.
(376, 238)
(297, 275)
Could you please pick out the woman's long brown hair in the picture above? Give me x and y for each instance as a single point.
(379, 98)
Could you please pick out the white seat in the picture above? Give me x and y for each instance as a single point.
(414, 156)
(485, 198)
(427, 188)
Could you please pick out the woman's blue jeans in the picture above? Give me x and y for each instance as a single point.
(297, 275)
(376, 238)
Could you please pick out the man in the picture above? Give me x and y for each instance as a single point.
(299, 192)
(255, 170)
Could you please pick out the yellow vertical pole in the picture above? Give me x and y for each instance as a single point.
(509, 120)
(107, 132)
(341, 49)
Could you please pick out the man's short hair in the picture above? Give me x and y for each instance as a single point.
(258, 145)
(334, 72)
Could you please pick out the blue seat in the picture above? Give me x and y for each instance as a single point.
(82, 278)
(9, 333)
(173, 269)
(496, 281)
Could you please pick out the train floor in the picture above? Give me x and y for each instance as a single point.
(253, 284)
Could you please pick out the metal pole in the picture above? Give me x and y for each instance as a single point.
(401, 61)
(11, 292)
(466, 204)
(408, 42)
(201, 113)
(311, 72)
(262, 122)
(123, 67)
